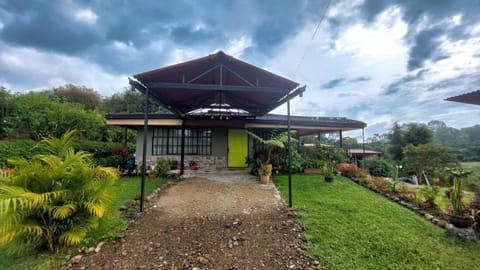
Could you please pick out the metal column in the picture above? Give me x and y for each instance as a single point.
(289, 149)
(182, 153)
(144, 158)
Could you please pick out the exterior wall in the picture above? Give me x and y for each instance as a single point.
(218, 159)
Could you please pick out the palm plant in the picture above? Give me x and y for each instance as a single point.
(53, 199)
(275, 141)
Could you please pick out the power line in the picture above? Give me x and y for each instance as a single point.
(313, 37)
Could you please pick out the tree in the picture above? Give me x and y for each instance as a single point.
(7, 109)
(53, 199)
(427, 158)
(417, 134)
(49, 117)
(77, 94)
(396, 142)
(378, 166)
(129, 102)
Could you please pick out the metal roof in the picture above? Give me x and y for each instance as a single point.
(216, 82)
(470, 98)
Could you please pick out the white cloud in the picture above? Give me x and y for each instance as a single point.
(86, 16)
(46, 70)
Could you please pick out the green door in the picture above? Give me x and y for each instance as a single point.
(237, 147)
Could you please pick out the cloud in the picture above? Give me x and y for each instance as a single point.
(44, 70)
(333, 83)
(371, 60)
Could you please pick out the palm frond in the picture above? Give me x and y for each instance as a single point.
(63, 211)
(9, 235)
(59, 146)
(96, 209)
(73, 237)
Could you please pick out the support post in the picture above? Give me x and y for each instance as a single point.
(341, 138)
(289, 149)
(144, 158)
(363, 147)
(182, 151)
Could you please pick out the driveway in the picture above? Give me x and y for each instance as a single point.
(201, 223)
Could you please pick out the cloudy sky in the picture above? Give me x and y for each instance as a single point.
(378, 61)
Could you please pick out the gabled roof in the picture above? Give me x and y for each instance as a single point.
(470, 98)
(217, 81)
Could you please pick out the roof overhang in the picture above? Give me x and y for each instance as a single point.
(469, 98)
(305, 126)
(216, 82)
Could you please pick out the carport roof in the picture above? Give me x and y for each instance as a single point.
(216, 82)
(470, 98)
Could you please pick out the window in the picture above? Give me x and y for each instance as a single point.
(168, 141)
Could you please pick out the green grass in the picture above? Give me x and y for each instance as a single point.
(124, 190)
(350, 227)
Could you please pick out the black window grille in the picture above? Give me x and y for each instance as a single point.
(168, 141)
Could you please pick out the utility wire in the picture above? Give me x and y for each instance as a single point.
(313, 37)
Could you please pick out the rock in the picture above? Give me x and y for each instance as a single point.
(202, 260)
(99, 247)
(90, 250)
(442, 223)
(316, 262)
(196, 268)
(76, 259)
(428, 216)
(120, 236)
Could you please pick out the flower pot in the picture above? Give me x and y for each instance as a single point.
(329, 179)
(461, 221)
(264, 179)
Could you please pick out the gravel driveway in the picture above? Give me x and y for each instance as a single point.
(206, 224)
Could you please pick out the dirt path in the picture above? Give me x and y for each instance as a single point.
(204, 224)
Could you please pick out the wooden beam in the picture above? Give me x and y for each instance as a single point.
(237, 88)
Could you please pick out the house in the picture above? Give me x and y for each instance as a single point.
(213, 101)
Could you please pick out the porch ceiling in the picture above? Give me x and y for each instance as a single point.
(216, 82)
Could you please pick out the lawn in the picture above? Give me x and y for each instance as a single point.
(351, 227)
(124, 190)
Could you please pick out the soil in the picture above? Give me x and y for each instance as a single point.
(205, 224)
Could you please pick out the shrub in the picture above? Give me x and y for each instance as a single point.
(378, 166)
(406, 193)
(380, 184)
(349, 170)
(430, 193)
(14, 149)
(53, 199)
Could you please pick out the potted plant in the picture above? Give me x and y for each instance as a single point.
(458, 216)
(264, 173)
(193, 165)
(173, 164)
(151, 172)
(275, 141)
(329, 173)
